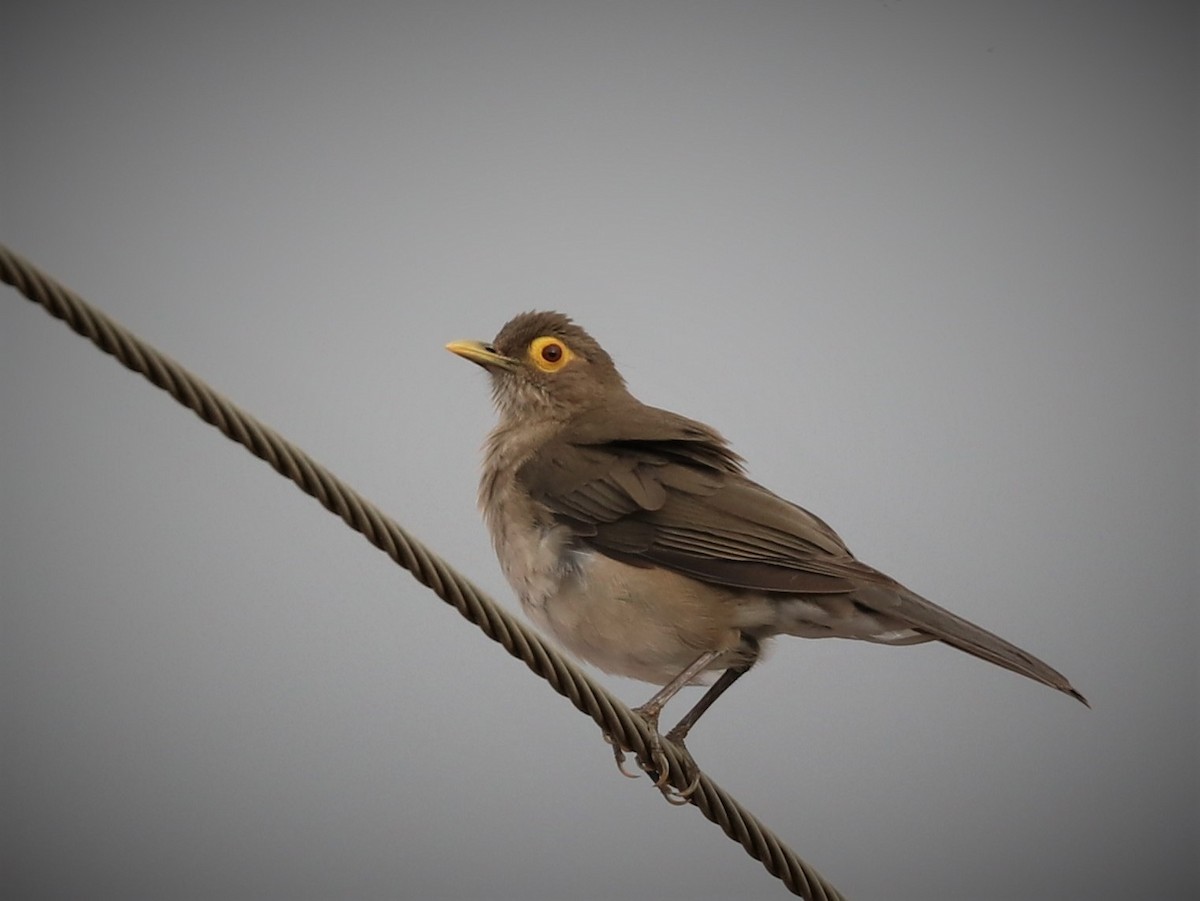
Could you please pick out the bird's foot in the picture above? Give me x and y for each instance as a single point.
(658, 767)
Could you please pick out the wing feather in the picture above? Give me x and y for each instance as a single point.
(675, 496)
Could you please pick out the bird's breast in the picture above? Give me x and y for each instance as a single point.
(535, 552)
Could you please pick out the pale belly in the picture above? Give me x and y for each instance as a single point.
(642, 622)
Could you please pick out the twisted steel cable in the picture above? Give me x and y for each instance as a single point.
(617, 721)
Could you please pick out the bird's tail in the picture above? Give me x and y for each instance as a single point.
(945, 626)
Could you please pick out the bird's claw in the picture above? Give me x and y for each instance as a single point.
(678, 797)
(659, 767)
(619, 756)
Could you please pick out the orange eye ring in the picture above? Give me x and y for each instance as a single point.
(549, 354)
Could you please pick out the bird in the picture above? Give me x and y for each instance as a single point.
(635, 537)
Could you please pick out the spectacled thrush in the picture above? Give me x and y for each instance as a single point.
(633, 535)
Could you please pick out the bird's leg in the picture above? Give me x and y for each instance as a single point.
(658, 764)
(680, 730)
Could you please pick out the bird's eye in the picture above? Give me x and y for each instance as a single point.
(549, 354)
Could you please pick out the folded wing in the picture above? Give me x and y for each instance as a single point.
(664, 490)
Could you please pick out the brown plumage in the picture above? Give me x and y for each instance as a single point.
(634, 535)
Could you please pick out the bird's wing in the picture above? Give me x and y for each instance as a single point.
(665, 491)
(674, 496)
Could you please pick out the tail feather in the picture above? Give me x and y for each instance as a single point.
(960, 633)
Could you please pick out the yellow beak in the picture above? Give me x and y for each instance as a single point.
(483, 354)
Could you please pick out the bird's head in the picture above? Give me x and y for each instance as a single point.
(543, 364)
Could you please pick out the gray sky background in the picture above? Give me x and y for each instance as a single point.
(931, 266)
